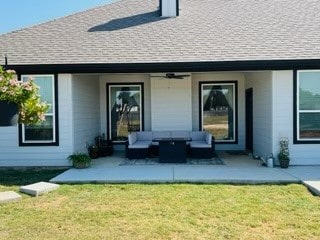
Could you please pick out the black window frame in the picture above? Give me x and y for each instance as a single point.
(296, 126)
(235, 82)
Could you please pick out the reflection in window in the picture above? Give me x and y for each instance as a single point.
(40, 132)
(218, 110)
(308, 107)
(43, 132)
(125, 111)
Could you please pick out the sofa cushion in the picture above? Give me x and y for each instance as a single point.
(155, 143)
(180, 134)
(197, 136)
(132, 138)
(161, 134)
(208, 138)
(144, 136)
(199, 144)
(140, 145)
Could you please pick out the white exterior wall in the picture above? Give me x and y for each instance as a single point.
(13, 155)
(300, 154)
(225, 76)
(171, 107)
(86, 111)
(261, 84)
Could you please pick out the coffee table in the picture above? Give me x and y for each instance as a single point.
(172, 150)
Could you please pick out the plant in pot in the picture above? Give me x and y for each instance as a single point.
(283, 156)
(80, 160)
(93, 151)
(19, 101)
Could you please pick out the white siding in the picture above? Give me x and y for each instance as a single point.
(225, 77)
(171, 104)
(300, 154)
(13, 155)
(82, 114)
(86, 110)
(261, 83)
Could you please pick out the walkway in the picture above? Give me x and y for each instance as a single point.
(239, 169)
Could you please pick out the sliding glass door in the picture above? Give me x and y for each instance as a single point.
(218, 110)
(125, 110)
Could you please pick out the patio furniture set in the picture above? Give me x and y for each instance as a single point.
(170, 146)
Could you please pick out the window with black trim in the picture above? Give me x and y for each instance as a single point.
(44, 133)
(218, 111)
(308, 106)
(125, 109)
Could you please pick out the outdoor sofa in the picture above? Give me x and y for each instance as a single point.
(200, 144)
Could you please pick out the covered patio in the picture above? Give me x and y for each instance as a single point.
(116, 104)
(238, 168)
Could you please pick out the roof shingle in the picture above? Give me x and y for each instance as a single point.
(131, 31)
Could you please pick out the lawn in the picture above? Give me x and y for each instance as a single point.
(159, 211)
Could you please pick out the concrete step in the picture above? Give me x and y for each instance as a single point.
(9, 196)
(39, 188)
(313, 186)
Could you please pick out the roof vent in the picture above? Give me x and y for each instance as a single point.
(169, 8)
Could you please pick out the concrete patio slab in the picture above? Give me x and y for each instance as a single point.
(225, 174)
(176, 173)
(39, 188)
(123, 174)
(309, 176)
(9, 196)
(305, 173)
(239, 169)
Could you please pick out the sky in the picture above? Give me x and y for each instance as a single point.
(17, 14)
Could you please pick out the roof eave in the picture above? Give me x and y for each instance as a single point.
(250, 65)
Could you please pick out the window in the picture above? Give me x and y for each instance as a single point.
(44, 133)
(308, 106)
(218, 110)
(125, 110)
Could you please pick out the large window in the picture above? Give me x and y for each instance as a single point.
(44, 133)
(308, 105)
(125, 110)
(218, 110)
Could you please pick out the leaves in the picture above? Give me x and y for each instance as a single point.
(25, 94)
(284, 149)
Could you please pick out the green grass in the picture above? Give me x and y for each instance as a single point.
(163, 211)
(24, 176)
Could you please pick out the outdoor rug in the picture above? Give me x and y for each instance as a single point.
(190, 161)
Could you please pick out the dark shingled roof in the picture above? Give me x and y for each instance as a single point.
(131, 31)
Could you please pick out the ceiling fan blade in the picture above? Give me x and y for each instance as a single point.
(173, 75)
(183, 76)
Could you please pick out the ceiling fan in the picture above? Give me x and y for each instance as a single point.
(173, 75)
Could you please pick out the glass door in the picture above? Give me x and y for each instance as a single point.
(124, 110)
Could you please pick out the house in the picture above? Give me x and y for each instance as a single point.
(246, 70)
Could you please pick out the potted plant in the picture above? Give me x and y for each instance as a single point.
(19, 101)
(283, 156)
(93, 151)
(80, 160)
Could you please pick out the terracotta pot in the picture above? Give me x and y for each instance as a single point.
(8, 114)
